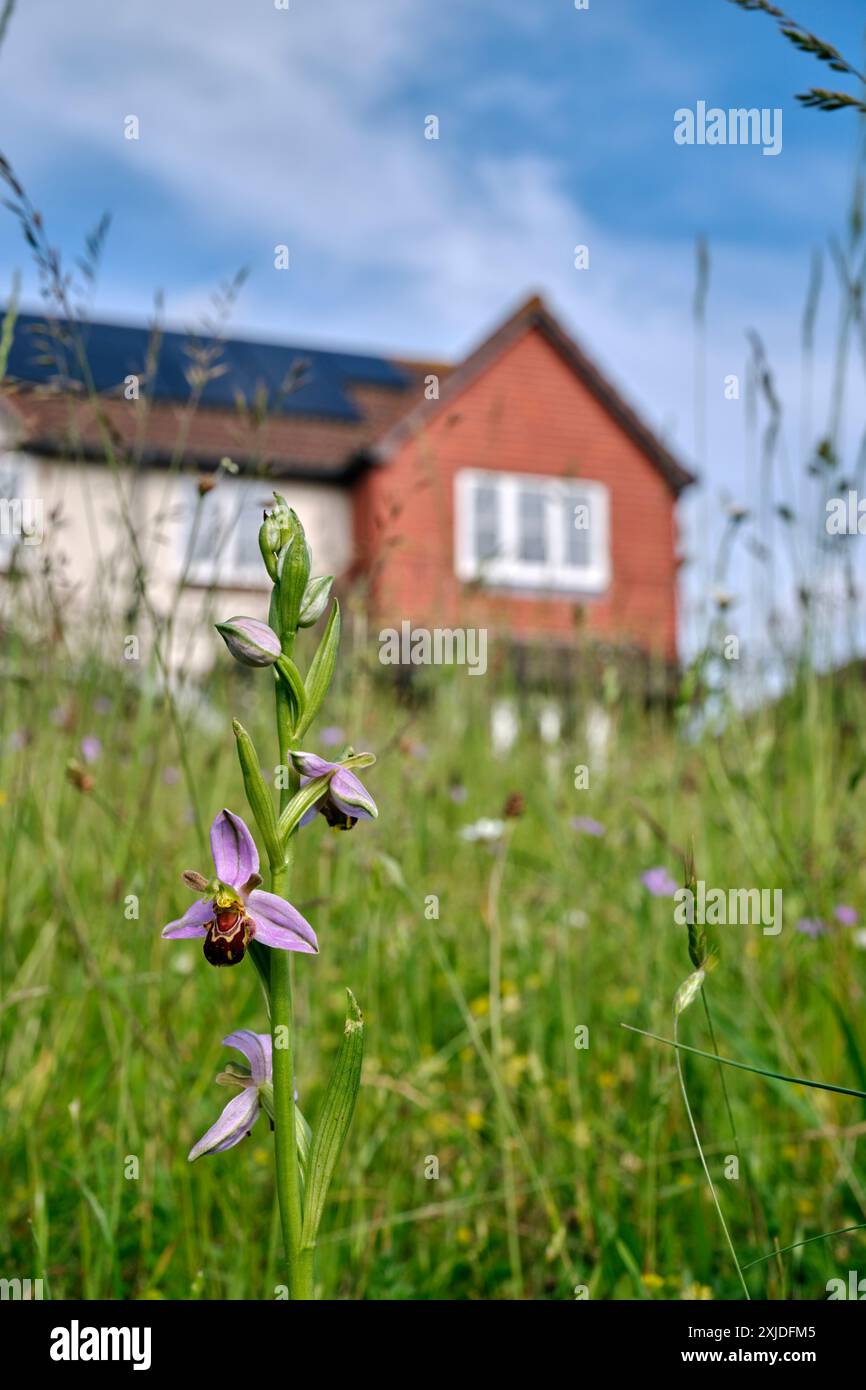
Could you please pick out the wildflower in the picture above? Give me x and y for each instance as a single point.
(255, 1081)
(345, 800)
(458, 793)
(236, 910)
(504, 727)
(91, 748)
(333, 736)
(812, 926)
(659, 883)
(250, 642)
(585, 825)
(485, 830)
(847, 916)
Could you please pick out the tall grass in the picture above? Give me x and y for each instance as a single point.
(557, 1166)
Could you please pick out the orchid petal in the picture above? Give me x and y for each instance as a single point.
(194, 922)
(234, 850)
(311, 765)
(351, 796)
(233, 1125)
(279, 924)
(256, 1047)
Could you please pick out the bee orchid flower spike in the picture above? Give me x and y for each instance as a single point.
(236, 917)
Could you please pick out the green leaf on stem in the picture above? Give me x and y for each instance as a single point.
(321, 671)
(302, 802)
(294, 683)
(259, 798)
(333, 1123)
(303, 1133)
(294, 572)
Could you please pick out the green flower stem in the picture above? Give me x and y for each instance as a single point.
(282, 1022)
(285, 1139)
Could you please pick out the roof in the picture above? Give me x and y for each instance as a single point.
(298, 412)
(534, 314)
(297, 381)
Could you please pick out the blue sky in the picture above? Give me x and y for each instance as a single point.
(261, 126)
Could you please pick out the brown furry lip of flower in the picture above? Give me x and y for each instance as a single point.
(515, 805)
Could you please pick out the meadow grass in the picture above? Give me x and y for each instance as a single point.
(558, 1167)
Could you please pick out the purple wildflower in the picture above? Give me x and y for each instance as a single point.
(659, 883)
(91, 748)
(241, 1113)
(344, 801)
(587, 826)
(846, 915)
(812, 926)
(236, 910)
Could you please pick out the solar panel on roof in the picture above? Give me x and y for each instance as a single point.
(43, 356)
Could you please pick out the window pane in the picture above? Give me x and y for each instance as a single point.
(531, 527)
(486, 518)
(578, 519)
(204, 527)
(10, 492)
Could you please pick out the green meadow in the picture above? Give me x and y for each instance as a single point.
(511, 1139)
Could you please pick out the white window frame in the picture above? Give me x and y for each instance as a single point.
(25, 469)
(226, 507)
(507, 570)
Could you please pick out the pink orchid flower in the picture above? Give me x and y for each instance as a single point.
(236, 910)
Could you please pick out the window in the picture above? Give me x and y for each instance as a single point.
(223, 531)
(22, 518)
(521, 531)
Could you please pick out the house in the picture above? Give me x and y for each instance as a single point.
(515, 490)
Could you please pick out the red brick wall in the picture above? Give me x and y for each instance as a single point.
(526, 413)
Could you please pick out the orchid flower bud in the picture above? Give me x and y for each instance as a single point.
(250, 642)
(274, 534)
(315, 600)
